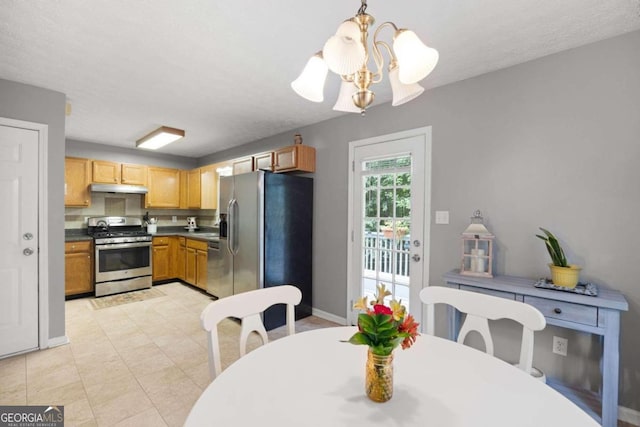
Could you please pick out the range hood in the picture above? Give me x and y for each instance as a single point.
(119, 188)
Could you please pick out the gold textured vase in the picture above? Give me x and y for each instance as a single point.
(379, 377)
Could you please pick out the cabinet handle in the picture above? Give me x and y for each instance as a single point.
(557, 310)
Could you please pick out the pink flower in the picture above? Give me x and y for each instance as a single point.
(382, 309)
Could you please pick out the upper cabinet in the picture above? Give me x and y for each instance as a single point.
(133, 174)
(243, 165)
(193, 189)
(164, 188)
(208, 187)
(118, 173)
(298, 157)
(263, 161)
(295, 158)
(76, 182)
(106, 172)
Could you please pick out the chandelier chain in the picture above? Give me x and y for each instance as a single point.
(363, 8)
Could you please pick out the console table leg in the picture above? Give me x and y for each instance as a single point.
(610, 368)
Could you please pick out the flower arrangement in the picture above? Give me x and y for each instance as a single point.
(382, 327)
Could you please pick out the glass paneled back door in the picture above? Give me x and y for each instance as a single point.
(388, 214)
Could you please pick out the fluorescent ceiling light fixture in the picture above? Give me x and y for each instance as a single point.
(159, 138)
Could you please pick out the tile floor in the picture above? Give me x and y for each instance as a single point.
(137, 364)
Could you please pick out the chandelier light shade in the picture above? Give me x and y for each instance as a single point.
(344, 53)
(415, 59)
(310, 83)
(159, 138)
(402, 93)
(347, 54)
(345, 100)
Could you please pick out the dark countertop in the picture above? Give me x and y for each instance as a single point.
(203, 233)
(76, 235)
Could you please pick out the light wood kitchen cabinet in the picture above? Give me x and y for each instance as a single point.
(76, 182)
(78, 264)
(295, 158)
(243, 165)
(193, 189)
(263, 161)
(105, 172)
(181, 258)
(196, 263)
(201, 268)
(164, 188)
(190, 265)
(133, 174)
(209, 187)
(160, 262)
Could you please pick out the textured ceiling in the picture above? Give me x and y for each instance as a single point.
(221, 70)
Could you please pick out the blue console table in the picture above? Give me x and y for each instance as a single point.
(597, 315)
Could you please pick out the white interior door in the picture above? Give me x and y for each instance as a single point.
(19, 313)
(389, 218)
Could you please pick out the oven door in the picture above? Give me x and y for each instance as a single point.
(122, 261)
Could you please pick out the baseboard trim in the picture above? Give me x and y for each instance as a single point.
(629, 415)
(58, 341)
(328, 316)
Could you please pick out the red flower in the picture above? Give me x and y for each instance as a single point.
(382, 309)
(409, 326)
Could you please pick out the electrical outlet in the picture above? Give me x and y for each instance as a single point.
(174, 218)
(86, 219)
(560, 346)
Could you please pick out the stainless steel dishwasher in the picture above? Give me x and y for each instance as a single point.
(216, 265)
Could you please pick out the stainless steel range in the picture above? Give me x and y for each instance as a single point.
(123, 254)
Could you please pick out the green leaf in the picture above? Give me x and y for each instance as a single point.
(360, 339)
(553, 247)
(366, 322)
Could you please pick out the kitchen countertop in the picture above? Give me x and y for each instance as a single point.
(76, 235)
(204, 233)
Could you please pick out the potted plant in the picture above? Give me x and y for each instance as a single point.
(562, 273)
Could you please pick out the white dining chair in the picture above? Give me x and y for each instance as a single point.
(480, 308)
(247, 307)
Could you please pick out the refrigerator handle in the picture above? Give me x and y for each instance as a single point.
(230, 223)
(234, 223)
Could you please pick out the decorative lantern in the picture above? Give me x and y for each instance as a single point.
(477, 249)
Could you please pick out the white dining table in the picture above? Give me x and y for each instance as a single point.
(314, 379)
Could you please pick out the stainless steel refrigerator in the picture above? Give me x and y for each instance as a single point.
(268, 239)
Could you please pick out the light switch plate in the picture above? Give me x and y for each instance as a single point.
(442, 217)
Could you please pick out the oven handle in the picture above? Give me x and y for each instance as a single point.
(123, 245)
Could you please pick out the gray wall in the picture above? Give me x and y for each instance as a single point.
(89, 150)
(32, 104)
(552, 143)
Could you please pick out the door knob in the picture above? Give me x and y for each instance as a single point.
(27, 251)
(416, 257)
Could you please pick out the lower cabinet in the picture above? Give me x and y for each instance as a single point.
(196, 263)
(180, 258)
(160, 260)
(78, 264)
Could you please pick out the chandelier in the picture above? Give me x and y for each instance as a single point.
(347, 54)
